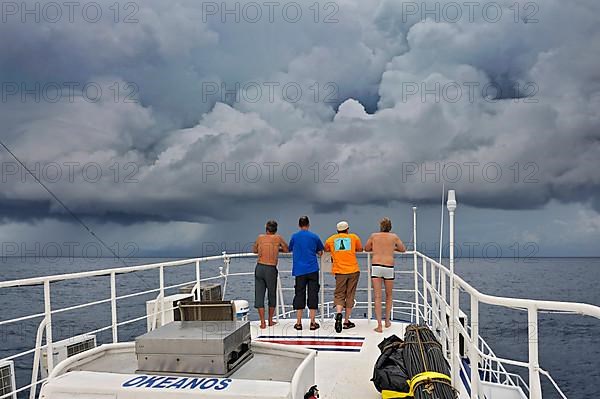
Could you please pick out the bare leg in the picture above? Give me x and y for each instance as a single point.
(389, 286)
(339, 308)
(299, 316)
(312, 313)
(377, 291)
(261, 315)
(271, 314)
(348, 314)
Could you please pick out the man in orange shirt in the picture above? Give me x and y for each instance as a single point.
(343, 247)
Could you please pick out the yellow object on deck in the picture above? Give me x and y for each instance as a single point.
(412, 383)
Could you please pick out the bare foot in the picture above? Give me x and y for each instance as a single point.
(378, 329)
(263, 325)
(272, 323)
(388, 324)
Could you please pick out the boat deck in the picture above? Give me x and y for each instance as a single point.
(345, 361)
(342, 368)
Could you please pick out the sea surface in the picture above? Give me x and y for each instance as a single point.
(569, 344)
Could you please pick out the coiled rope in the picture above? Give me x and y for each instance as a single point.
(426, 366)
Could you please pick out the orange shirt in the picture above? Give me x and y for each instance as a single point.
(343, 248)
(268, 246)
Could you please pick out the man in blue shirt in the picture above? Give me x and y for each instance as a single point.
(306, 246)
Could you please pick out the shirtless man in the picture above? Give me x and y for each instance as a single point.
(383, 245)
(267, 246)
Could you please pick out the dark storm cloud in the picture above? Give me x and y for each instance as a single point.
(532, 136)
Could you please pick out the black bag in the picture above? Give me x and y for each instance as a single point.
(389, 372)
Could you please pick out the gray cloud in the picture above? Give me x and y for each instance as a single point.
(172, 147)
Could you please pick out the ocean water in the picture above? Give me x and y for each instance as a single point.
(569, 344)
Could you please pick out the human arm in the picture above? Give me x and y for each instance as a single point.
(320, 247)
(400, 247)
(255, 247)
(358, 247)
(369, 245)
(327, 246)
(283, 247)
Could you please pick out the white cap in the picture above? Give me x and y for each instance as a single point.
(343, 225)
(451, 204)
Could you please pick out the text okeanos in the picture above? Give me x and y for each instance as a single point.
(146, 381)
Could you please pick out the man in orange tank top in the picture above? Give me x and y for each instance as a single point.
(343, 247)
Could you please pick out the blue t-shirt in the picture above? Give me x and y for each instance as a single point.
(304, 245)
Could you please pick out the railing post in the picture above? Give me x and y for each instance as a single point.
(113, 306)
(535, 388)
(48, 316)
(415, 270)
(455, 336)
(226, 262)
(473, 353)
(322, 290)
(435, 314)
(454, 297)
(444, 311)
(369, 289)
(425, 296)
(35, 367)
(198, 290)
(277, 301)
(280, 301)
(161, 277)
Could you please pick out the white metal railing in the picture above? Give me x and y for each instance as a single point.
(45, 326)
(431, 306)
(478, 351)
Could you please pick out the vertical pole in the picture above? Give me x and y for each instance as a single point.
(415, 270)
(322, 291)
(36, 360)
(198, 290)
(426, 314)
(454, 345)
(48, 316)
(434, 300)
(226, 274)
(369, 289)
(277, 300)
(535, 388)
(444, 310)
(161, 278)
(473, 353)
(113, 306)
(280, 302)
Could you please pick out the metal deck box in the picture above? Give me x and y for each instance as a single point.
(194, 348)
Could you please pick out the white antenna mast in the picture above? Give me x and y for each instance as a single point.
(442, 222)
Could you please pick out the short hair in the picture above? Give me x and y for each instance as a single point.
(271, 226)
(303, 221)
(385, 225)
